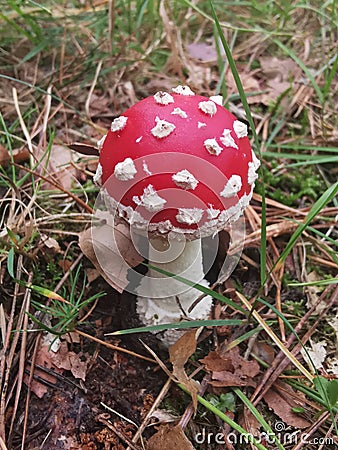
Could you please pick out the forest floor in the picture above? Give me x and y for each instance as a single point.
(71, 376)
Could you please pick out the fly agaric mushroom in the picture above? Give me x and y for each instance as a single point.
(177, 167)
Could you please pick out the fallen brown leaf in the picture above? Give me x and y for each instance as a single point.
(281, 399)
(111, 250)
(67, 360)
(18, 155)
(179, 354)
(264, 351)
(279, 68)
(229, 368)
(43, 359)
(168, 438)
(59, 168)
(202, 51)
(84, 149)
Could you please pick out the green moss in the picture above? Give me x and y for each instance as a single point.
(292, 186)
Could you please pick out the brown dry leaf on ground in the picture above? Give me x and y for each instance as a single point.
(77, 363)
(230, 368)
(250, 85)
(58, 360)
(43, 359)
(249, 422)
(179, 353)
(277, 74)
(202, 51)
(18, 155)
(110, 249)
(282, 401)
(279, 69)
(268, 83)
(59, 168)
(264, 351)
(168, 438)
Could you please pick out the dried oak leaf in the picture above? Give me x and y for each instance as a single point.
(179, 353)
(230, 368)
(282, 399)
(64, 359)
(168, 438)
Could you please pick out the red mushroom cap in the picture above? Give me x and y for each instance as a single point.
(178, 162)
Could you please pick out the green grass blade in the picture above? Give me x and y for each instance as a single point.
(200, 288)
(247, 437)
(254, 411)
(298, 147)
(10, 262)
(303, 67)
(326, 197)
(249, 117)
(180, 326)
(326, 282)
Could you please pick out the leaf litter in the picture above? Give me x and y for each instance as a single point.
(229, 368)
(108, 375)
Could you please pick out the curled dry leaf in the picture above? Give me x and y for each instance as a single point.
(84, 149)
(163, 416)
(58, 167)
(316, 355)
(110, 249)
(230, 368)
(179, 353)
(18, 155)
(264, 351)
(282, 399)
(67, 360)
(50, 243)
(169, 438)
(57, 358)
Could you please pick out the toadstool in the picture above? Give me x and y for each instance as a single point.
(177, 167)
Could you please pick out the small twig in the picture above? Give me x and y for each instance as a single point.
(314, 428)
(118, 414)
(281, 361)
(118, 433)
(92, 87)
(58, 186)
(56, 375)
(8, 349)
(22, 323)
(22, 123)
(114, 347)
(156, 403)
(2, 444)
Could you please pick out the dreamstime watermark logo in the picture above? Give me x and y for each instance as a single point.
(131, 200)
(279, 433)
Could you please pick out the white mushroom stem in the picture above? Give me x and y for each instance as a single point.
(163, 299)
